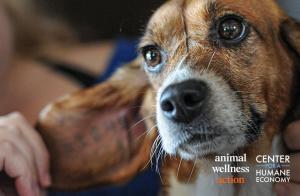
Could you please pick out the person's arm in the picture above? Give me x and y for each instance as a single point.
(23, 156)
(292, 140)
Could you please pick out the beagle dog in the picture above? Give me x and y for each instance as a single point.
(218, 77)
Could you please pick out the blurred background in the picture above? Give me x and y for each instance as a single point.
(41, 59)
(95, 19)
(90, 35)
(292, 7)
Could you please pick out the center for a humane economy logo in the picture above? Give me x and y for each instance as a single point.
(234, 169)
(274, 168)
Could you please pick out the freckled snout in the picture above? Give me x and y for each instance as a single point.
(183, 102)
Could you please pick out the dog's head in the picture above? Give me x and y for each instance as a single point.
(222, 73)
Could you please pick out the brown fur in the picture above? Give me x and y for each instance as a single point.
(263, 69)
(74, 126)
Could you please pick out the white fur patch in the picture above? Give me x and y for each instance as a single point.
(205, 185)
(224, 107)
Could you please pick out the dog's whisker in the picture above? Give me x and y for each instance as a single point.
(192, 171)
(177, 47)
(165, 156)
(152, 154)
(181, 62)
(178, 168)
(157, 152)
(140, 121)
(210, 61)
(147, 132)
(161, 179)
(156, 147)
(158, 161)
(158, 158)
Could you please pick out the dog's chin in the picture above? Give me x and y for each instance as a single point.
(200, 139)
(199, 146)
(218, 144)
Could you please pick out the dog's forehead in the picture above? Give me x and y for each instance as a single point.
(169, 20)
(166, 22)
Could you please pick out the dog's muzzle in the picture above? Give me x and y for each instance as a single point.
(198, 115)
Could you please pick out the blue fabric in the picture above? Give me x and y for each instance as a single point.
(125, 52)
(148, 182)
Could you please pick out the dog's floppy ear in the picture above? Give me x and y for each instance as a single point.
(290, 33)
(96, 136)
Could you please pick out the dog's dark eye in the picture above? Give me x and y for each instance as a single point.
(152, 56)
(232, 29)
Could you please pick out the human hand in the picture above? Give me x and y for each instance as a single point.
(23, 157)
(292, 141)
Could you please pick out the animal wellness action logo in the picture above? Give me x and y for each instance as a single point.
(268, 169)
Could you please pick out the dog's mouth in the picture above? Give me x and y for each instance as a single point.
(202, 138)
(194, 143)
(199, 145)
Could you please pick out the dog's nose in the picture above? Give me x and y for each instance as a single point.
(183, 102)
